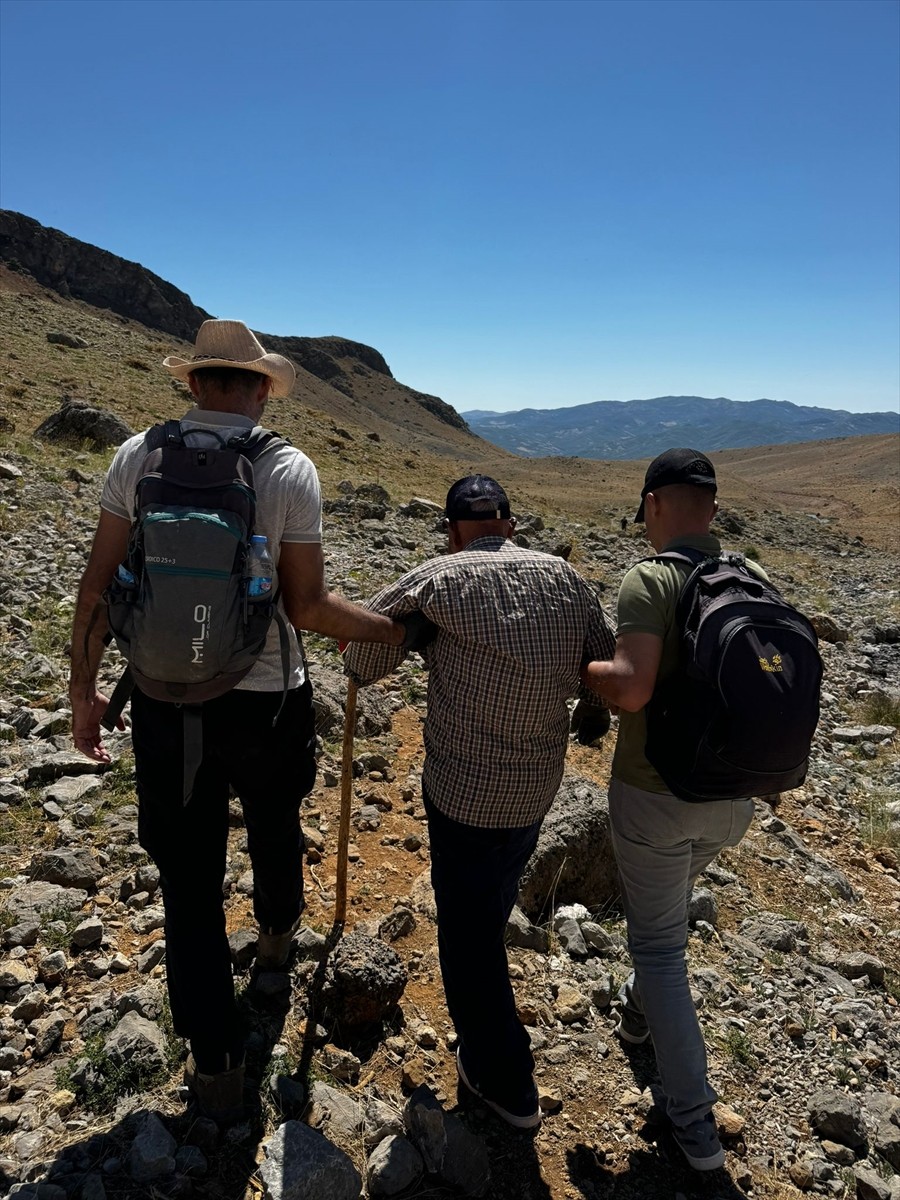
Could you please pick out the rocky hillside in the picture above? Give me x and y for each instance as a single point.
(373, 428)
(794, 945)
(352, 381)
(643, 428)
(103, 280)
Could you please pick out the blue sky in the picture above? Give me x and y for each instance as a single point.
(520, 204)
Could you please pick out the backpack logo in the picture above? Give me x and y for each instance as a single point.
(202, 618)
(774, 665)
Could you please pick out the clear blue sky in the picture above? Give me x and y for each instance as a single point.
(518, 203)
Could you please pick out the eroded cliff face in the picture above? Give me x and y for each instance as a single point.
(76, 269)
(86, 272)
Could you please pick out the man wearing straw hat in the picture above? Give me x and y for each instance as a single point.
(513, 627)
(257, 739)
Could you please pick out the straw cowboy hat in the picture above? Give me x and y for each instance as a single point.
(232, 344)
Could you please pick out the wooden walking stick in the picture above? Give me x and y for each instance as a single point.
(340, 891)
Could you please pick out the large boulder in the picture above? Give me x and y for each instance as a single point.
(373, 713)
(573, 861)
(301, 1164)
(78, 421)
(364, 980)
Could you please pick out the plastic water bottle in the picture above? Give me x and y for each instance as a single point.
(259, 568)
(124, 576)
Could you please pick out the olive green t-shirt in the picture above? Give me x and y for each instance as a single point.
(646, 604)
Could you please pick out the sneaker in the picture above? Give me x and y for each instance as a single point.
(699, 1143)
(521, 1115)
(632, 1026)
(274, 949)
(219, 1096)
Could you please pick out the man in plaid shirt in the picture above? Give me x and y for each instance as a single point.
(509, 630)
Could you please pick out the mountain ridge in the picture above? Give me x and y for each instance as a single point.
(627, 429)
(358, 423)
(359, 386)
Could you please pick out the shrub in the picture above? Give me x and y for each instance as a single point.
(739, 1047)
(877, 828)
(100, 1081)
(880, 709)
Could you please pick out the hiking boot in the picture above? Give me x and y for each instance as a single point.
(699, 1143)
(274, 949)
(632, 1026)
(219, 1096)
(522, 1111)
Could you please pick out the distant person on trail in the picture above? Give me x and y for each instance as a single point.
(258, 738)
(512, 630)
(662, 843)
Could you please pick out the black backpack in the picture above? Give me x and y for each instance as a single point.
(737, 717)
(179, 606)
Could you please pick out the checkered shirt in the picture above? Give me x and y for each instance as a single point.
(514, 628)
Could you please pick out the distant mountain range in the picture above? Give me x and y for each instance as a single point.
(352, 382)
(629, 429)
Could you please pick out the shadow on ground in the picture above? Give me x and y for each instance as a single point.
(97, 1167)
(651, 1174)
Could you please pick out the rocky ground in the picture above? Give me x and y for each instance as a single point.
(794, 950)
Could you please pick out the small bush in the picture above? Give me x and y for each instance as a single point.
(739, 1047)
(751, 552)
(57, 926)
(137, 365)
(880, 709)
(118, 784)
(100, 1081)
(877, 828)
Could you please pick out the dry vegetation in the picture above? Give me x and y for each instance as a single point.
(120, 370)
(854, 481)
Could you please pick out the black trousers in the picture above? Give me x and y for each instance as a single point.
(475, 873)
(271, 768)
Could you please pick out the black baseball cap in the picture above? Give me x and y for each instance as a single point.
(476, 498)
(677, 466)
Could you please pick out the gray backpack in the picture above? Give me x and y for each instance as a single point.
(179, 606)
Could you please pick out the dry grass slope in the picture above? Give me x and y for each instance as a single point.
(383, 433)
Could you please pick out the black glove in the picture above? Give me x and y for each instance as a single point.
(420, 632)
(589, 723)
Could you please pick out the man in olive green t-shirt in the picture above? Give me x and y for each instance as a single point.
(663, 843)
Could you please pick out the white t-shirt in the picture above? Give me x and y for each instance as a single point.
(288, 509)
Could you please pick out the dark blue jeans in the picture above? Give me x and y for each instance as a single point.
(270, 769)
(475, 873)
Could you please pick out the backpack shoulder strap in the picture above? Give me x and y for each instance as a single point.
(697, 560)
(685, 554)
(166, 433)
(118, 700)
(257, 442)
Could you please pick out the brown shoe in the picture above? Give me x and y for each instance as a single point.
(220, 1096)
(274, 949)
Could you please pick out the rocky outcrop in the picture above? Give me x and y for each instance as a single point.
(86, 272)
(342, 364)
(319, 355)
(76, 269)
(573, 860)
(76, 421)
